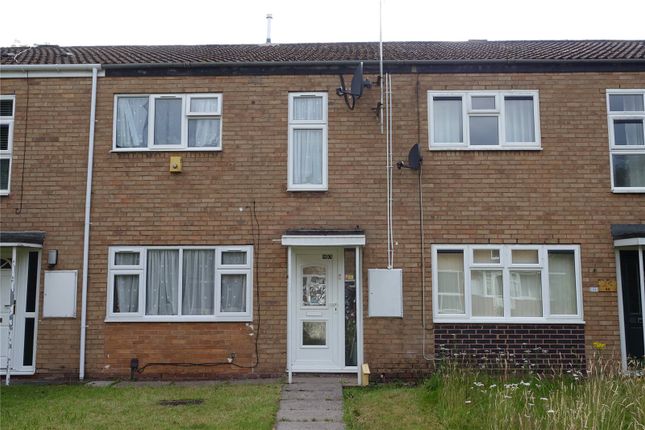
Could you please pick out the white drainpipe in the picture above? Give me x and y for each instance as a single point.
(86, 232)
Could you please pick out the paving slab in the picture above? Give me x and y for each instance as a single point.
(311, 403)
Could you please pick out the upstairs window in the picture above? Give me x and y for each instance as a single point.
(626, 115)
(167, 122)
(483, 120)
(307, 142)
(7, 112)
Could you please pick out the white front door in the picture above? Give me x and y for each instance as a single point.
(317, 316)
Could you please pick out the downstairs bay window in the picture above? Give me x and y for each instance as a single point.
(506, 283)
(180, 284)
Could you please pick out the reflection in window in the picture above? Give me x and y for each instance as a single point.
(314, 333)
(314, 286)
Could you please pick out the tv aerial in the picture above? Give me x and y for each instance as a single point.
(414, 159)
(354, 92)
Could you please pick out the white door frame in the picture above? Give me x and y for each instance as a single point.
(628, 245)
(333, 244)
(21, 280)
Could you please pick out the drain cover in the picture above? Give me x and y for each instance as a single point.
(181, 402)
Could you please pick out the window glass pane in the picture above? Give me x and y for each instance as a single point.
(132, 122)
(233, 293)
(562, 283)
(307, 156)
(483, 102)
(447, 120)
(629, 170)
(6, 107)
(526, 294)
(308, 108)
(203, 133)
(486, 256)
(198, 282)
(450, 278)
(203, 104)
(126, 293)
(484, 130)
(314, 286)
(625, 102)
(628, 132)
(487, 293)
(234, 257)
(168, 122)
(4, 173)
(525, 256)
(126, 258)
(4, 137)
(162, 293)
(351, 341)
(520, 119)
(314, 333)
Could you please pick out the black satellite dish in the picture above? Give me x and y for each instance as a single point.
(356, 90)
(414, 159)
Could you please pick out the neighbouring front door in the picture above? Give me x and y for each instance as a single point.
(318, 320)
(632, 289)
(5, 305)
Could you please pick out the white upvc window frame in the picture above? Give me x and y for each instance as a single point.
(308, 125)
(506, 266)
(623, 149)
(499, 112)
(185, 117)
(142, 270)
(8, 153)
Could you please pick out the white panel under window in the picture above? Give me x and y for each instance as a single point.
(59, 300)
(132, 122)
(308, 156)
(562, 280)
(448, 120)
(162, 286)
(385, 292)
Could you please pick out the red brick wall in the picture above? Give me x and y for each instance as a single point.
(560, 194)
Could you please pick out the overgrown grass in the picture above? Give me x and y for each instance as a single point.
(455, 398)
(225, 406)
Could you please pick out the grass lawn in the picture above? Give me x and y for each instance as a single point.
(225, 406)
(468, 400)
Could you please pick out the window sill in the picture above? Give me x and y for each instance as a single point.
(485, 148)
(4, 193)
(299, 190)
(508, 321)
(182, 319)
(634, 190)
(168, 150)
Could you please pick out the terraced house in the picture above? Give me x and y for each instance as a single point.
(225, 211)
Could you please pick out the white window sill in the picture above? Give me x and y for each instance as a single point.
(508, 321)
(166, 149)
(625, 190)
(181, 319)
(485, 148)
(4, 193)
(291, 189)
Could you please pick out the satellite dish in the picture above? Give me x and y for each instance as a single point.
(414, 159)
(356, 89)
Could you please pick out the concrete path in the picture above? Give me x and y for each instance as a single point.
(312, 403)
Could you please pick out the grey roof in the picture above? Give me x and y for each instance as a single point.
(483, 51)
(627, 231)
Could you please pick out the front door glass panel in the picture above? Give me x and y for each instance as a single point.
(314, 286)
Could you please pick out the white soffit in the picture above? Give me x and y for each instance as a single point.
(635, 241)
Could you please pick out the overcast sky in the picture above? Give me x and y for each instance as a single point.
(138, 22)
